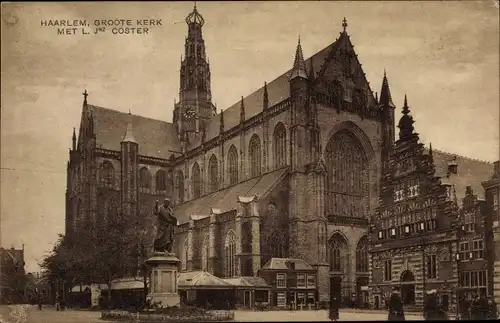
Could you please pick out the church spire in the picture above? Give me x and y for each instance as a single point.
(385, 93)
(406, 123)
(129, 134)
(299, 65)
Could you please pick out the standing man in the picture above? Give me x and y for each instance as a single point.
(165, 228)
(396, 311)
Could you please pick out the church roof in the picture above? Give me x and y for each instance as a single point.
(286, 264)
(155, 138)
(227, 199)
(278, 90)
(471, 172)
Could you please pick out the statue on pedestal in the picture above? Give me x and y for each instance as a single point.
(165, 227)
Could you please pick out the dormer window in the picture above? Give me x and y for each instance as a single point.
(393, 232)
(380, 234)
(421, 227)
(407, 229)
(453, 166)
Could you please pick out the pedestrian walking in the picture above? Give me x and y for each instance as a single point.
(334, 309)
(431, 306)
(396, 312)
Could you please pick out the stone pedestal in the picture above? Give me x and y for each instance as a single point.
(163, 283)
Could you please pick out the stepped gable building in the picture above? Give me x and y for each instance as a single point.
(290, 171)
(421, 232)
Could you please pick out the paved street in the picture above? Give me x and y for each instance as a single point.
(50, 315)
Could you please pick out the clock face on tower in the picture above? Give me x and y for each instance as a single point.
(189, 112)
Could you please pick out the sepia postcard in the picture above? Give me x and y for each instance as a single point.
(249, 161)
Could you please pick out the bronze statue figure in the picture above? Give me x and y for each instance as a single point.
(165, 228)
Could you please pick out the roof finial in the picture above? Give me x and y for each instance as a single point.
(130, 112)
(344, 24)
(85, 95)
(195, 5)
(385, 72)
(430, 149)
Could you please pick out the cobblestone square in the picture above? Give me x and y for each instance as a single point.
(50, 315)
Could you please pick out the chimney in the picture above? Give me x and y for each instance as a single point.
(496, 169)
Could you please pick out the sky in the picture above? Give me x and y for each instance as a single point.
(443, 55)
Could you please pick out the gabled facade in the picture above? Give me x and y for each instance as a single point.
(413, 236)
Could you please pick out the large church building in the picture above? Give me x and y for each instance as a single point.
(297, 169)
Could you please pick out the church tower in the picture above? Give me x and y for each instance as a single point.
(195, 98)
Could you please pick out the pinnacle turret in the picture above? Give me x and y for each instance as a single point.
(266, 97)
(406, 123)
(385, 93)
(129, 133)
(299, 65)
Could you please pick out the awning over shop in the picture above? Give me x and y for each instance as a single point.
(77, 289)
(252, 282)
(127, 283)
(201, 280)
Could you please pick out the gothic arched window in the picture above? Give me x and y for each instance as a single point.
(232, 158)
(336, 92)
(205, 248)
(213, 169)
(230, 255)
(179, 187)
(255, 156)
(161, 181)
(184, 254)
(338, 256)
(276, 243)
(362, 255)
(279, 139)
(170, 184)
(347, 176)
(144, 179)
(107, 174)
(196, 177)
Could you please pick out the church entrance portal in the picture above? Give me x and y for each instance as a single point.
(336, 288)
(408, 288)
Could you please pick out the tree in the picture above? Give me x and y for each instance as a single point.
(109, 251)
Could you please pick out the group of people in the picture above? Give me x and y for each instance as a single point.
(480, 308)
